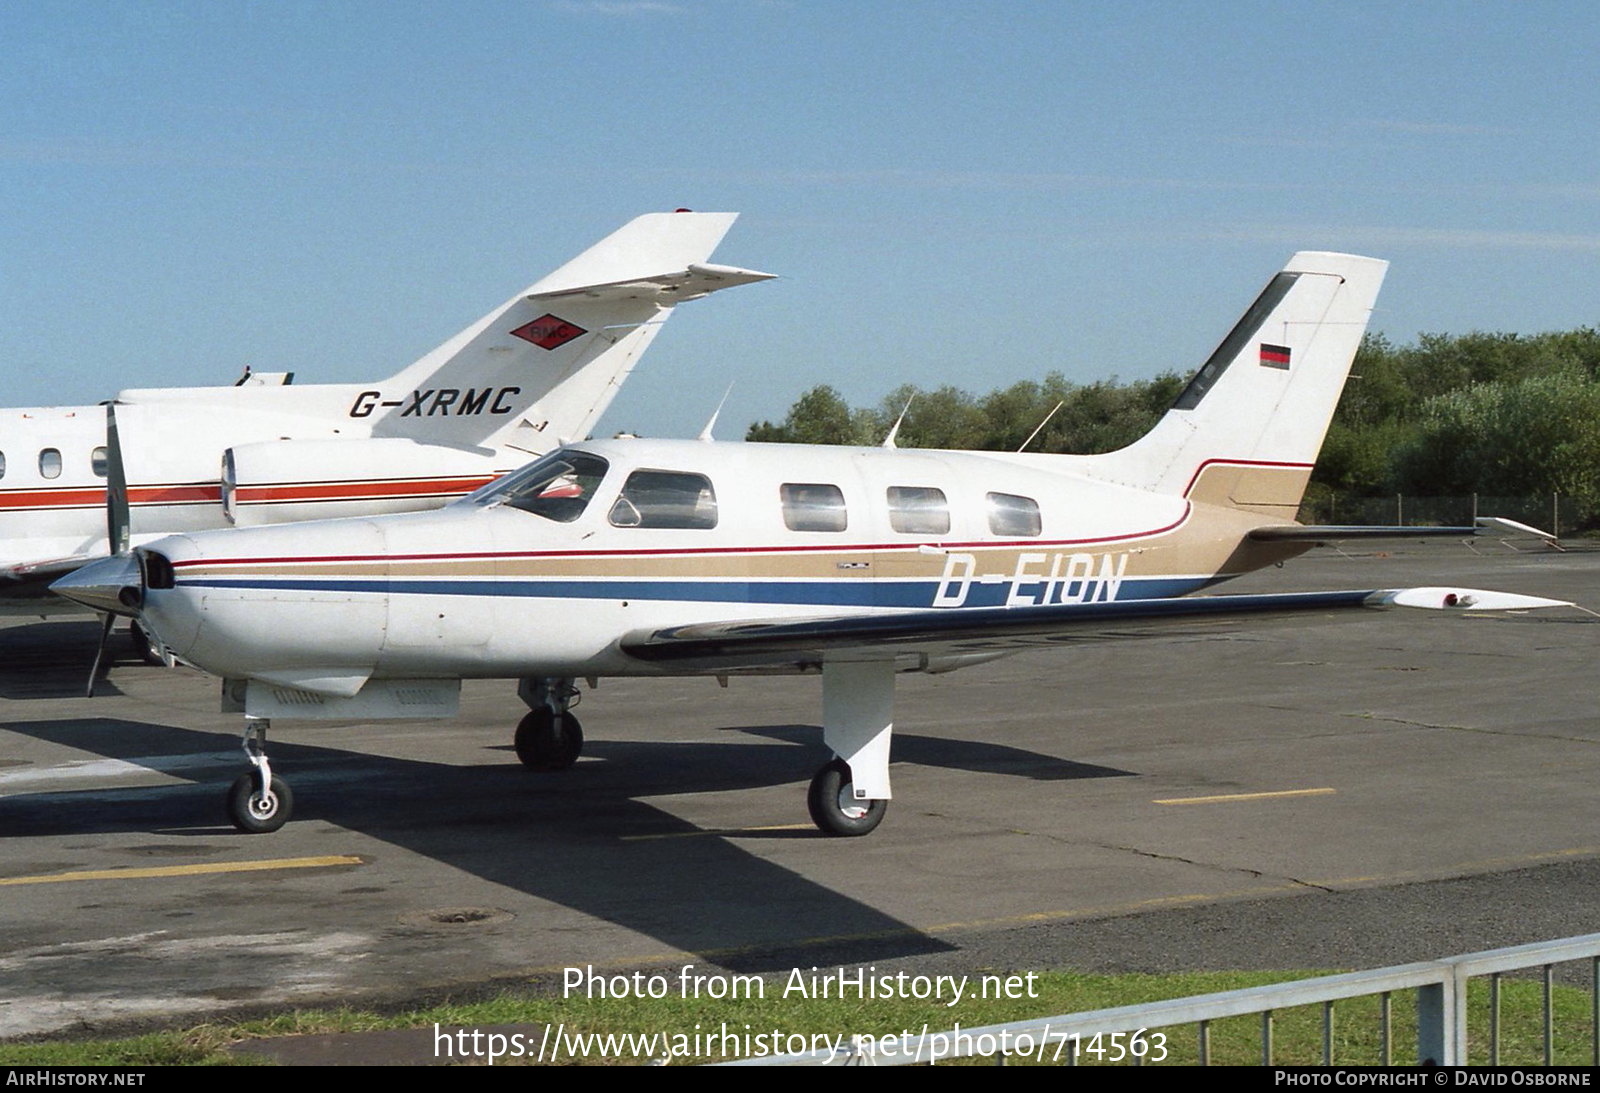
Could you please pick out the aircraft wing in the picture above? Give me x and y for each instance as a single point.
(44, 570)
(997, 630)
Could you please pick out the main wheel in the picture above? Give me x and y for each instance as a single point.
(255, 814)
(547, 742)
(833, 804)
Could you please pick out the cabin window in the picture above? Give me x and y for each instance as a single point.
(98, 462)
(918, 510)
(558, 487)
(50, 463)
(1011, 515)
(666, 499)
(813, 506)
(2, 464)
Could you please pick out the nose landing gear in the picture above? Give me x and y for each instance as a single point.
(549, 738)
(259, 802)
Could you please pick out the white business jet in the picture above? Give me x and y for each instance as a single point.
(535, 372)
(644, 557)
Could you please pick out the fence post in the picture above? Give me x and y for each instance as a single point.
(1436, 1024)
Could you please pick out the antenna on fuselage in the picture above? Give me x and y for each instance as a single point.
(1042, 424)
(705, 434)
(888, 441)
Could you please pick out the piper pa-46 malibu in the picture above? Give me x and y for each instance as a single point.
(644, 557)
(535, 372)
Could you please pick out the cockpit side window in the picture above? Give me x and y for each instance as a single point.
(813, 506)
(666, 499)
(1012, 516)
(919, 510)
(558, 487)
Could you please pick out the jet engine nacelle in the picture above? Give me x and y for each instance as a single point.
(281, 481)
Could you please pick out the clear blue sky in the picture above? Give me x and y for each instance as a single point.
(968, 193)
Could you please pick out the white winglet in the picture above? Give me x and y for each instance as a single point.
(1462, 599)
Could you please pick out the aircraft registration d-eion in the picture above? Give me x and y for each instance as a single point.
(645, 557)
(535, 372)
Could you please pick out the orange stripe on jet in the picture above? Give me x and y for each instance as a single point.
(93, 497)
(333, 491)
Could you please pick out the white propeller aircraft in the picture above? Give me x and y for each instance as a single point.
(644, 557)
(535, 372)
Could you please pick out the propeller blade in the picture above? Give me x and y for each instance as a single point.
(100, 654)
(116, 487)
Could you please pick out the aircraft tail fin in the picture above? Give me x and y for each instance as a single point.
(1246, 430)
(543, 366)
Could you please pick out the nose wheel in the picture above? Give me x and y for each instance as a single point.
(833, 804)
(255, 812)
(548, 741)
(258, 802)
(549, 738)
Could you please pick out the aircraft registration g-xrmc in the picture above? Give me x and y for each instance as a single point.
(644, 557)
(533, 373)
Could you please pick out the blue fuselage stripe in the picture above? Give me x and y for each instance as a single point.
(850, 593)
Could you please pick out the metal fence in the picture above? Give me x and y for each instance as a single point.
(1439, 986)
(1550, 512)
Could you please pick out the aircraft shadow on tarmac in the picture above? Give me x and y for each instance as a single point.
(52, 659)
(581, 838)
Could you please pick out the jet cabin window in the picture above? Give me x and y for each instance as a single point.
(558, 487)
(50, 463)
(1012, 516)
(813, 506)
(918, 510)
(666, 499)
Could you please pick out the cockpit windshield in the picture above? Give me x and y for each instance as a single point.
(557, 487)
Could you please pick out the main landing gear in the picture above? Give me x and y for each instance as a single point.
(259, 802)
(549, 738)
(833, 805)
(849, 796)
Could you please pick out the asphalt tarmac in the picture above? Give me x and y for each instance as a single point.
(1342, 793)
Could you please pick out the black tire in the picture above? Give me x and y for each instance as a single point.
(546, 742)
(833, 806)
(250, 814)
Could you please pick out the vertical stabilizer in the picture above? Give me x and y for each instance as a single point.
(543, 366)
(1246, 430)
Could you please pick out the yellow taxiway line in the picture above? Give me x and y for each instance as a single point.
(187, 870)
(1273, 795)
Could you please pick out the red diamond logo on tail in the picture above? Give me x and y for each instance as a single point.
(549, 332)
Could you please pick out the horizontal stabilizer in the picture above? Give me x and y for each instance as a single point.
(1331, 533)
(666, 289)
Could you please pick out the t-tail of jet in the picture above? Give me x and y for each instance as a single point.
(1246, 430)
(543, 366)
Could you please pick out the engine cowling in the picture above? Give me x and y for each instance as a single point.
(280, 481)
